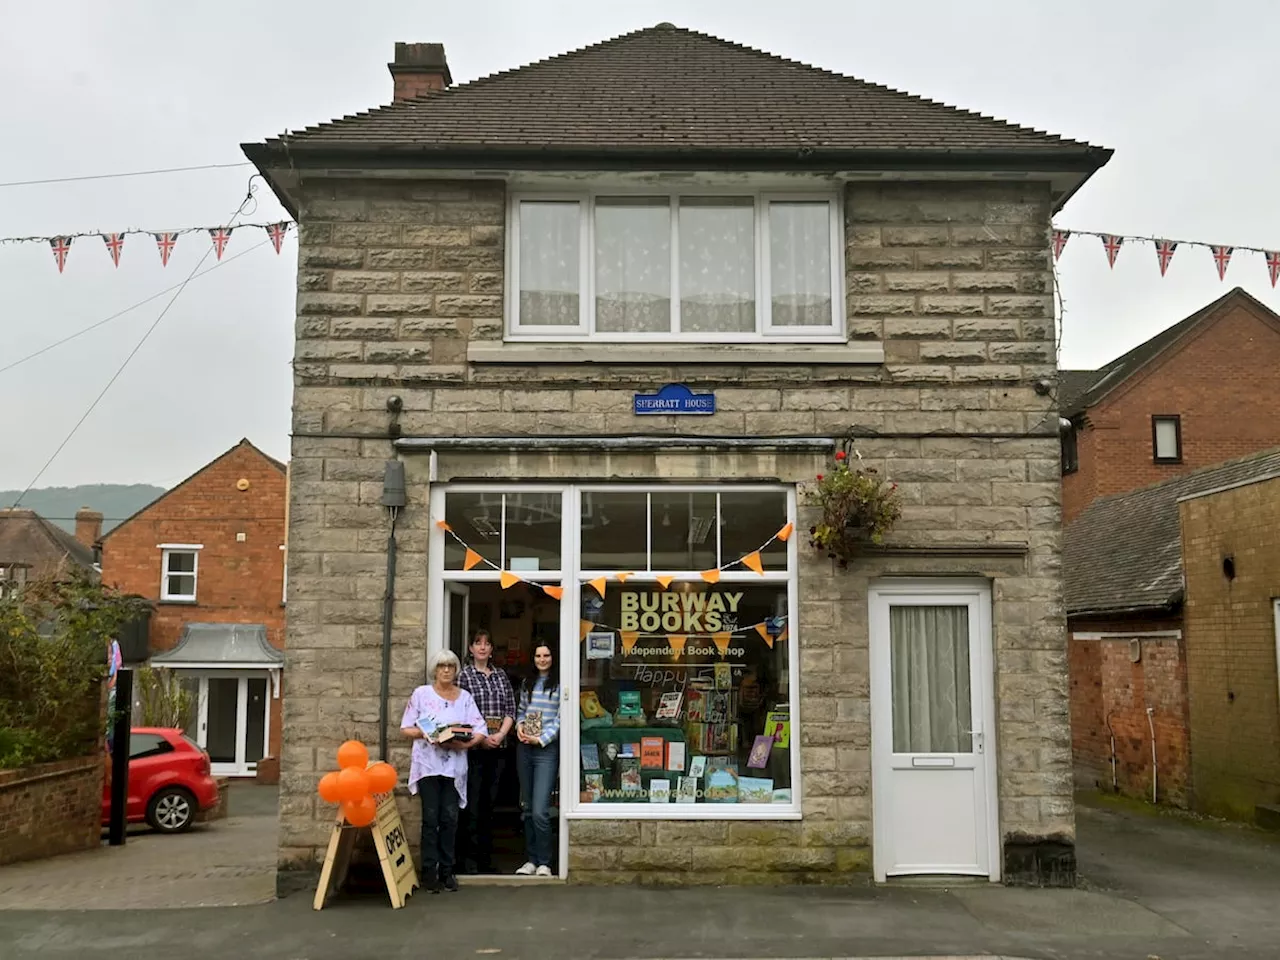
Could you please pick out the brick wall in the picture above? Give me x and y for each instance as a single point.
(1229, 364)
(397, 281)
(1231, 647)
(51, 809)
(1110, 694)
(237, 582)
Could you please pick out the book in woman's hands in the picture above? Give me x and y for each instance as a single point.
(436, 732)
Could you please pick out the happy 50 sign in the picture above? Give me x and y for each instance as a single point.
(670, 612)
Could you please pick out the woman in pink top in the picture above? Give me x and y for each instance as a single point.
(438, 772)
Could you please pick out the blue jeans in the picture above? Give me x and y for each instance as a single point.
(538, 768)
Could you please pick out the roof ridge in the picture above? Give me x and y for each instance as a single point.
(453, 92)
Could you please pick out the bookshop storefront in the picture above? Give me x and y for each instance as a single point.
(672, 610)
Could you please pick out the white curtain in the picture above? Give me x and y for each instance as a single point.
(550, 255)
(800, 264)
(929, 650)
(717, 265)
(633, 265)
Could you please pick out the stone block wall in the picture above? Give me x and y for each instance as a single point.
(51, 809)
(397, 281)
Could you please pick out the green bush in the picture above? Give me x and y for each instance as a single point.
(53, 664)
(162, 699)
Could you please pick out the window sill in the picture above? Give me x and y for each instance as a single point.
(164, 601)
(684, 811)
(615, 354)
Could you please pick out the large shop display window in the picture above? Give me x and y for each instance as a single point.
(685, 677)
(676, 635)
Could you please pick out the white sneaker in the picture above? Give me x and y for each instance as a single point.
(543, 871)
(526, 871)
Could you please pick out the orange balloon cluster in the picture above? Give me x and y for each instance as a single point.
(356, 782)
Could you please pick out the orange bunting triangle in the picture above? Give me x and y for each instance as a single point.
(785, 533)
(721, 640)
(471, 559)
(711, 576)
(664, 582)
(442, 525)
(629, 641)
(555, 593)
(508, 580)
(764, 635)
(752, 561)
(584, 627)
(622, 577)
(677, 642)
(786, 631)
(598, 585)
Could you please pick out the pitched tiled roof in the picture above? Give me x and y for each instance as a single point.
(1080, 389)
(1124, 553)
(28, 539)
(665, 90)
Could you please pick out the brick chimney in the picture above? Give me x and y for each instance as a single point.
(419, 69)
(88, 526)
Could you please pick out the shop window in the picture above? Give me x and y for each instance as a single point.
(1166, 439)
(615, 531)
(668, 267)
(516, 531)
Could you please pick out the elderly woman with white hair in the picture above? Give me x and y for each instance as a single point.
(438, 771)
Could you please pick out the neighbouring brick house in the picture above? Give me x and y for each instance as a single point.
(500, 283)
(1201, 392)
(32, 548)
(1172, 611)
(209, 554)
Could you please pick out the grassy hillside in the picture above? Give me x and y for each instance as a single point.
(115, 501)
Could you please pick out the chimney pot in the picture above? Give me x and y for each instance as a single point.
(88, 526)
(419, 69)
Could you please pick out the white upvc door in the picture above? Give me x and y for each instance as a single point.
(457, 631)
(232, 719)
(932, 729)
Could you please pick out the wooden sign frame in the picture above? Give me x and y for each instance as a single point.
(398, 870)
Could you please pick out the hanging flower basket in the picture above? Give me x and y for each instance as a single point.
(858, 507)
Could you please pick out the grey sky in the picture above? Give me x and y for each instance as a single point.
(1181, 90)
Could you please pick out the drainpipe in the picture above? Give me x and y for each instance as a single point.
(1152, 726)
(393, 498)
(1115, 783)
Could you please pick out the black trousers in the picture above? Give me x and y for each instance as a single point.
(439, 824)
(484, 774)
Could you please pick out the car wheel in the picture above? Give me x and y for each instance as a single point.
(171, 810)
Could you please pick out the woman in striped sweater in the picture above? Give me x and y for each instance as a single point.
(538, 757)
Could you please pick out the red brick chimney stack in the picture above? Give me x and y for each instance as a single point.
(88, 526)
(419, 69)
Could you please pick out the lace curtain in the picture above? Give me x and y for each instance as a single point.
(717, 265)
(550, 254)
(929, 650)
(633, 265)
(800, 264)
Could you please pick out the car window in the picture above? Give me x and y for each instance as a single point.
(148, 745)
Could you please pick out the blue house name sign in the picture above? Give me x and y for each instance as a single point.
(675, 398)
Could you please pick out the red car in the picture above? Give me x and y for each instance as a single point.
(169, 781)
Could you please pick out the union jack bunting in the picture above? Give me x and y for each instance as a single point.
(1273, 264)
(61, 247)
(165, 242)
(1060, 238)
(220, 237)
(1221, 257)
(115, 245)
(1164, 251)
(1112, 244)
(277, 231)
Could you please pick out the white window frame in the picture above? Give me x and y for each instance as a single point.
(574, 580)
(168, 550)
(1276, 610)
(766, 331)
(284, 565)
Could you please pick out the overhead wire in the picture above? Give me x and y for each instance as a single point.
(241, 209)
(130, 173)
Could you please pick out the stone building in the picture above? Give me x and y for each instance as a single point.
(504, 285)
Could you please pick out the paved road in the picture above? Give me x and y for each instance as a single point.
(1154, 886)
(224, 863)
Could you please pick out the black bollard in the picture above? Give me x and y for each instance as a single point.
(122, 722)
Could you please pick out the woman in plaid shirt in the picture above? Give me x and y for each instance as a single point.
(493, 695)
